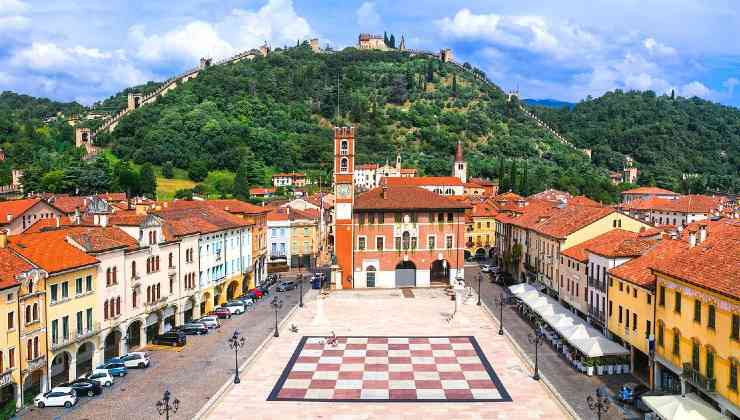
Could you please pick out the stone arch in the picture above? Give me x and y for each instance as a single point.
(169, 316)
(84, 358)
(151, 322)
(191, 303)
(206, 303)
(439, 272)
(112, 344)
(133, 333)
(60, 368)
(406, 274)
(480, 252)
(232, 290)
(33, 382)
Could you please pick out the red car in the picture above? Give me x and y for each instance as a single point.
(220, 313)
(257, 293)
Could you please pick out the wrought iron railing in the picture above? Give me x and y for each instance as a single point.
(697, 379)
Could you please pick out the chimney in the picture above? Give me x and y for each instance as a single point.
(9, 217)
(77, 216)
(384, 194)
(3, 238)
(692, 239)
(58, 221)
(702, 233)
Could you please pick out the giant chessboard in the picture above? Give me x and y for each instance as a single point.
(366, 369)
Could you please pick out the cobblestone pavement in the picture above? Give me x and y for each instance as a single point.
(572, 385)
(193, 375)
(386, 313)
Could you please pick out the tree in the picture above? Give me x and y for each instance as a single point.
(454, 85)
(385, 38)
(398, 94)
(198, 171)
(147, 180)
(430, 71)
(126, 179)
(168, 170)
(524, 187)
(512, 176)
(392, 41)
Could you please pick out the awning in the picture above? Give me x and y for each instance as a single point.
(676, 407)
(579, 332)
(522, 288)
(598, 346)
(560, 321)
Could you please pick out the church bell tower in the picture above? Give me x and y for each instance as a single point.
(344, 192)
(460, 168)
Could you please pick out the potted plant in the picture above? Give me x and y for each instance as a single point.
(599, 366)
(589, 364)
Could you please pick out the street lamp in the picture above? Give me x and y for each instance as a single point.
(501, 301)
(599, 404)
(300, 285)
(276, 305)
(480, 277)
(236, 342)
(536, 337)
(164, 406)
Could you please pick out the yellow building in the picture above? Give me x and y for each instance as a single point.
(74, 343)
(631, 315)
(10, 267)
(481, 230)
(697, 316)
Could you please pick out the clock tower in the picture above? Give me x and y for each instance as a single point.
(344, 192)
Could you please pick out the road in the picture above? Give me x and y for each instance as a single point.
(192, 374)
(572, 385)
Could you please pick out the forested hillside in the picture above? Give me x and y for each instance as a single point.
(667, 136)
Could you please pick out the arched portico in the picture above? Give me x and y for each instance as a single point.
(112, 344)
(60, 368)
(84, 359)
(405, 274)
(439, 272)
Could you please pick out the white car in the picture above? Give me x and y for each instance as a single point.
(136, 359)
(61, 396)
(101, 376)
(210, 321)
(235, 308)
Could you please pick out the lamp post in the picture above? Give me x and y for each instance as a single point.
(599, 404)
(480, 277)
(164, 406)
(276, 305)
(300, 286)
(501, 301)
(236, 342)
(536, 338)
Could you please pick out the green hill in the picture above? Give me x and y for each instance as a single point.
(668, 137)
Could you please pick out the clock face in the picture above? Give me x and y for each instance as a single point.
(344, 190)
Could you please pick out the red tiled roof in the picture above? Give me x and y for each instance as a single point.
(67, 204)
(713, 264)
(11, 265)
(114, 196)
(99, 239)
(618, 243)
(483, 182)
(50, 251)
(570, 219)
(682, 204)
(552, 195)
(637, 270)
(236, 206)
(484, 210)
(261, 191)
(419, 181)
(649, 190)
(9, 210)
(196, 217)
(408, 170)
(126, 218)
(291, 175)
(405, 198)
(367, 166)
(508, 196)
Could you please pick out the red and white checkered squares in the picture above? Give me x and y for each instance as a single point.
(389, 369)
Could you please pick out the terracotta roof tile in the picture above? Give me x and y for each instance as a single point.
(50, 251)
(99, 239)
(193, 217)
(649, 190)
(367, 166)
(9, 210)
(405, 198)
(682, 204)
(11, 265)
(637, 270)
(570, 219)
(261, 191)
(618, 243)
(395, 181)
(68, 203)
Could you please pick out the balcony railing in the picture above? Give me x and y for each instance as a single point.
(597, 284)
(36, 363)
(6, 377)
(172, 270)
(697, 379)
(596, 314)
(78, 336)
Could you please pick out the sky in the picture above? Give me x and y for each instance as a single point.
(567, 49)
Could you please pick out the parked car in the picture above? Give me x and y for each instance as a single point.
(193, 329)
(60, 396)
(264, 289)
(115, 366)
(236, 308)
(285, 286)
(210, 322)
(171, 338)
(136, 359)
(245, 299)
(251, 295)
(257, 293)
(101, 376)
(221, 313)
(85, 387)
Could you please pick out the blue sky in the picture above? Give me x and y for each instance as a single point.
(567, 49)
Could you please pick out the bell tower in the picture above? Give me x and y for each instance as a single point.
(460, 167)
(344, 192)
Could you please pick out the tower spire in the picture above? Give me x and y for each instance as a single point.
(459, 152)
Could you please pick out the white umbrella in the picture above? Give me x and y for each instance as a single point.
(676, 407)
(599, 346)
(522, 288)
(560, 321)
(530, 296)
(579, 332)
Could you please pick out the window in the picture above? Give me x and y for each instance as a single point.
(448, 242)
(171, 261)
(65, 290)
(621, 286)
(647, 328)
(381, 218)
(11, 358)
(78, 286)
(450, 218)
(35, 347)
(65, 327)
(29, 349)
(115, 275)
(695, 355)
(634, 321)
(676, 342)
(627, 318)
(134, 297)
(660, 333)
(88, 284)
(710, 316)
(28, 314)
(361, 243)
(35, 311)
(677, 302)
(79, 323)
(649, 298)
(90, 318)
(133, 269)
(379, 243)
(398, 242)
(710, 363)
(370, 276)
(733, 375)
(343, 165)
(54, 330)
(620, 314)
(634, 292)
(108, 276)
(11, 320)
(105, 309)
(697, 310)
(661, 296)
(53, 291)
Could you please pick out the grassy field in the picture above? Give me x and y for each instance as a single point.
(166, 188)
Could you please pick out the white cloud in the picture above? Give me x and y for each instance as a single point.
(8, 7)
(730, 84)
(695, 88)
(41, 56)
(276, 22)
(367, 15)
(11, 16)
(656, 48)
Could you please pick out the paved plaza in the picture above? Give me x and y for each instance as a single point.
(380, 328)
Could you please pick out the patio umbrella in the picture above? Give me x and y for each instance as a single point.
(560, 321)
(676, 407)
(599, 346)
(579, 332)
(532, 295)
(520, 289)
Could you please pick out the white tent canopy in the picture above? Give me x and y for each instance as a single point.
(560, 321)
(579, 332)
(598, 346)
(522, 288)
(676, 407)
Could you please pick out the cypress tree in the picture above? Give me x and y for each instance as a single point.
(385, 38)
(454, 85)
(392, 41)
(512, 175)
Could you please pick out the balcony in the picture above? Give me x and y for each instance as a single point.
(172, 270)
(596, 314)
(79, 336)
(694, 377)
(6, 377)
(36, 363)
(597, 284)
